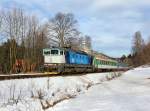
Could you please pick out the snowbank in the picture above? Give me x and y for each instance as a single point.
(42, 93)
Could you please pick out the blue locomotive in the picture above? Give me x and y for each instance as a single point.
(73, 57)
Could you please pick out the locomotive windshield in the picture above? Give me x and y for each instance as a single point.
(54, 52)
(47, 52)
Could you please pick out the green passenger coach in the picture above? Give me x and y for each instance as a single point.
(104, 64)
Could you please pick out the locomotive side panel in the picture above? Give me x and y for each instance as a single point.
(54, 56)
(73, 57)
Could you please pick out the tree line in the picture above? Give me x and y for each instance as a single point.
(23, 37)
(140, 54)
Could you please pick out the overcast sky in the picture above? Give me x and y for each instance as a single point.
(110, 23)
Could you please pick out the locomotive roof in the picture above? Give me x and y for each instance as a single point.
(79, 51)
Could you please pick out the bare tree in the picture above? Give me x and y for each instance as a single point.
(21, 30)
(1, 19)
(23, 33)
(1, 22)
(36, 40)
(137, 49)
(85, 43)
(138, 43)
(12, 29)
(40, 43)
(33, 28)
(61, 27)
(73, 43)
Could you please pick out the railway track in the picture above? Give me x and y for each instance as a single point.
(37, 75)
(23, 76)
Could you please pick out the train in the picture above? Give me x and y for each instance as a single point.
(66, 60)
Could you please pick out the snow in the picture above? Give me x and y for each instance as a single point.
(90, 92)
(42, 93)
(130, 92)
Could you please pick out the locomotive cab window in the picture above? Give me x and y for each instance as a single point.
(54, 52)
(61, 52)
(47, 52)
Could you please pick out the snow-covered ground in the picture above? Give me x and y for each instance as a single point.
(130, 92)
(40, 94)
(91, 92)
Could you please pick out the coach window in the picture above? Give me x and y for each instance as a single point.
(113, 64)
(54, 52)
(102, 62)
